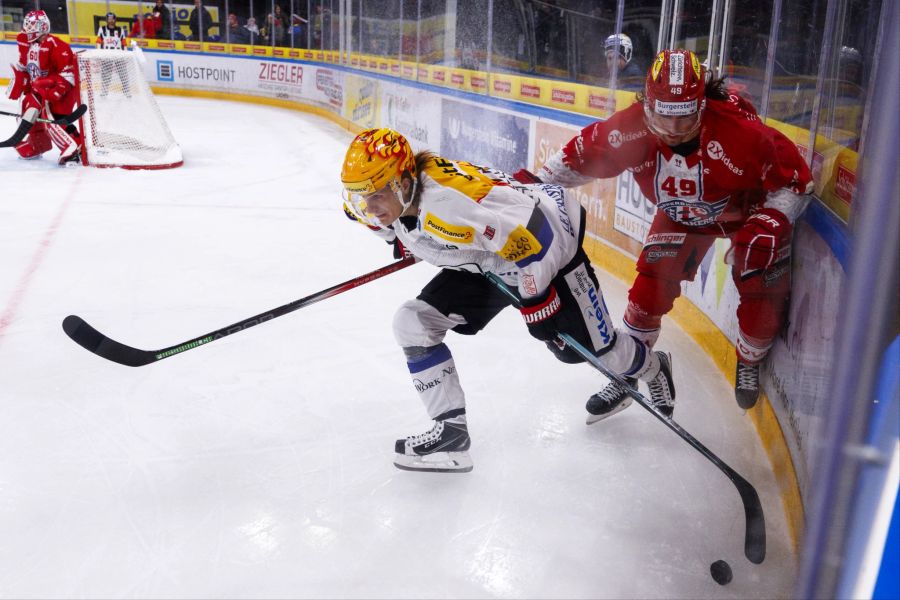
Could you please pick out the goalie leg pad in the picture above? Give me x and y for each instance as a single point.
(37, 142)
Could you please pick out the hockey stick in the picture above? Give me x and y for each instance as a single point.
(92, 340)
(25, 126)
(755, 531)
(64, 120)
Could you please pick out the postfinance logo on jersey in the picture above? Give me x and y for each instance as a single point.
(452, 233)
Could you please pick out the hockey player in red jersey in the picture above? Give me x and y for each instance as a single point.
(713, 170)
(45, 79)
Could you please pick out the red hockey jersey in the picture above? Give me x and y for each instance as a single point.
(51, 57)
(738, 161)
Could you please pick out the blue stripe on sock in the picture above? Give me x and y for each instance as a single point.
(639, 359)
(435, 356)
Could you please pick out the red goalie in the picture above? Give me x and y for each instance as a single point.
(45, 79)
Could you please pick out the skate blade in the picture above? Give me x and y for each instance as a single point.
(439, 462)
(591, 419)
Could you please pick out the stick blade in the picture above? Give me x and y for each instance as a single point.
(755, 540)
(92, 340)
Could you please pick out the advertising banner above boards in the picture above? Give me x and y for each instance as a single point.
(483, 136)
(85, 17)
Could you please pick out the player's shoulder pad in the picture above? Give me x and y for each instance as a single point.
(470, 180)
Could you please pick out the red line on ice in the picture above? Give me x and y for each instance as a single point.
(9, 312)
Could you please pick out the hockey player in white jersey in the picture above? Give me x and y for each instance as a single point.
(472, 220)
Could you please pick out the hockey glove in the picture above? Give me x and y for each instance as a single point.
(756, 245)
(543, 315)
(51, 89)
(525, 176)
(400, 251)
(19, 82)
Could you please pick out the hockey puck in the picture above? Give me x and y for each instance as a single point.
(721, 572)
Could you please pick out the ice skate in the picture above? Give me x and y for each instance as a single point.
(443, 449)
(662, 386)
(610, 400)
(746, 385)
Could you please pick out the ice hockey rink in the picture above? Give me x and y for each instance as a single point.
(261, 465)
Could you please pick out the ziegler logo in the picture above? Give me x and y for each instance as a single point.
(715, 151)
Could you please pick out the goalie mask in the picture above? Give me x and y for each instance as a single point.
(674, 96)
(375, 165)
(35, 25)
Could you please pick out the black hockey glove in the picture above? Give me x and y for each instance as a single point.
(526, 176)
(543, 315)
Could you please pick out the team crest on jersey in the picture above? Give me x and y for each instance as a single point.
(520, 245)
(693, 214)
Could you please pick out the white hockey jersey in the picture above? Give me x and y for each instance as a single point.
(481, 220)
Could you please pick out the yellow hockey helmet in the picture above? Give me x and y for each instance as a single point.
(375, 159)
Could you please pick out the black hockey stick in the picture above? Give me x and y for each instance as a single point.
(90, 339)
(25, 126)
(755, 532)
(64, 120)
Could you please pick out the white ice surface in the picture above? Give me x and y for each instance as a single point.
(261, 464)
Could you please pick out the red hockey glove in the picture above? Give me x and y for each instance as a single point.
(400, 251)
(543, 316)
(526, 176)
(51, 89)
(19, 82)
(755, 246)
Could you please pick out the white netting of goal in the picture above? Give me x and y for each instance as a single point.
(123, 126)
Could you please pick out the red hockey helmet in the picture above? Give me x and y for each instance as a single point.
(674, 94)
(35, 25)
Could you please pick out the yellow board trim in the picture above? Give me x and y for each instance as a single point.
(710, 338)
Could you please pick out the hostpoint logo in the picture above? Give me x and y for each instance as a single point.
(165, 70)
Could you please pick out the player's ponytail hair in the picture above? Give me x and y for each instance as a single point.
(422, 158)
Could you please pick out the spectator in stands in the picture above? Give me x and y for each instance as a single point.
(235, 33)
(165, 20)
(619, 52)
(146, 28)
(280, 26)
(252, 30)
(274, 32)
(199, 22)
(298, 31)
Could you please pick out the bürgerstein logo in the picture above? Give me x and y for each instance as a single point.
(616, 138)
(715, 151)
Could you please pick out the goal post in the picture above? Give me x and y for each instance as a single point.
(123, 126)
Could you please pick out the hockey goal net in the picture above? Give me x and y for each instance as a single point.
(123, 126)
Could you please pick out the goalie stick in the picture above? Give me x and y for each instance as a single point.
(92, 340)
(25, 126)
(755, 529)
